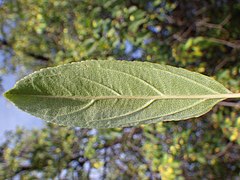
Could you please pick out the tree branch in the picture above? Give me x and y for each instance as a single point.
(225, 42)
(5, 43)
(36, 56)
(230, 104)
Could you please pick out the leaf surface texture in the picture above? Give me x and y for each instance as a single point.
(104, 94)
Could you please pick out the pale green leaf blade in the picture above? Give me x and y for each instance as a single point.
(103, 94)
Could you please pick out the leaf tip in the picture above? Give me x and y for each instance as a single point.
(7, 94)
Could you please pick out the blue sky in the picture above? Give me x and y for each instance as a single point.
(12, 117)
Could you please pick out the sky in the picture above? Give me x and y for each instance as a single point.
(12, 117)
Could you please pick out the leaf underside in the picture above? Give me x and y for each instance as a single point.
(104, 94)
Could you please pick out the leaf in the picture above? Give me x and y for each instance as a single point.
(104, 94)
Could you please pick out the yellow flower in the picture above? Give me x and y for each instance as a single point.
(170, 159)
(238, 121)
(132, 18)
(97, 164)
(234, 135)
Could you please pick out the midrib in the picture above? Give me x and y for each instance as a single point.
(159, 97)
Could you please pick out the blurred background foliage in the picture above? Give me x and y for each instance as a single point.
(199, 35)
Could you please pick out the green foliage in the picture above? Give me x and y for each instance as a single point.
(202, 36)
(95, 94)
